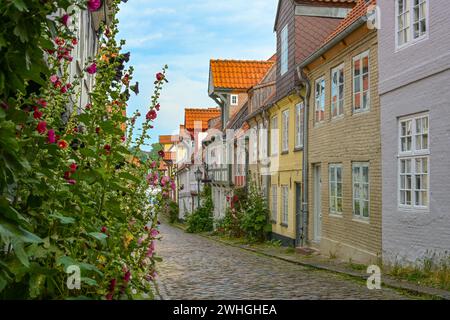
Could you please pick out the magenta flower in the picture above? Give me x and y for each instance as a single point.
(94, 5)
(92, 68)
(72, 181)
(65, 19)
(154, 233)
(127, 276)
(53, 78)
(172, 185)
(51, 137)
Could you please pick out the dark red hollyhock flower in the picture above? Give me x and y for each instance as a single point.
(4, 105)
(88, 106)
(109, 296)
(41, 127)
(151, 115)
(37, 114)
(65, 19)
(107, 148)
(74, 41)
(112, 285)
(67, 175)
(104, 230)
(41, 102)
(97, 130)
(123, 138)
(157, 107)
(64, 89)
(159, 76)
(161, 153)
(235, 198)
(73, 167)
(62, 144)
(51, 138)
(127, 276)
(69, 85)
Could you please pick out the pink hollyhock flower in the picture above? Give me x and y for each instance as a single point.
(92, 68)
(153, 165)
(54, 78)
(42, 102)
(65, 19)
(41, 127)
(165, 194)
(154, 233)
(164, 180)
(51, 138)
(94, 5)
(109, 296)
(159, 76)
(72, 182)
(151, 276)
(140, 240)
(173, 185)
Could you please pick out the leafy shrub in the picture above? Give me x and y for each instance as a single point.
(201, 220)
(173, 211)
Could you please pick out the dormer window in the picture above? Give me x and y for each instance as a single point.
(284, 50)
(234, 99)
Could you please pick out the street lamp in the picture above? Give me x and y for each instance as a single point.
(198, 177)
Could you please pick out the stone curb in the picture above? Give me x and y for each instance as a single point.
(386, 280)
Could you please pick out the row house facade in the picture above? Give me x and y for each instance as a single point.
(301, 26)
(189, 156)
(414, 53)
(344, 144)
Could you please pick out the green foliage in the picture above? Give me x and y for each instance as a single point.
(201, 220)
(82, 199)
(173, 211)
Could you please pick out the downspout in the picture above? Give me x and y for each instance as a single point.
(304, 224)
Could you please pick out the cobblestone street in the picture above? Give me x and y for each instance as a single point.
(195, 268)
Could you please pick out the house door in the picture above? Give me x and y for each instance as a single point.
(317, 203)
(298, 211)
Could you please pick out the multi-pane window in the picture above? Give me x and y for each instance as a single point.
(412, 16)
(299, 118)
(335, 180)
(284, 50)
(337, 91)
(285, 131)
(274, 202)
(260, 141)
(414, 162)
(320, 100)
(284, 204)
(234, 99)
(361, 190)
(361, 93)
(274, 136)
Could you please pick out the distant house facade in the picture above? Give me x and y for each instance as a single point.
(414, 53)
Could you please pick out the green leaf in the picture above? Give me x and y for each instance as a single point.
(89, 281)
(20, 253)
(12, 231)
(98, 235)
(20, 5)
(129, 176)
(36, 285)
(63, 219)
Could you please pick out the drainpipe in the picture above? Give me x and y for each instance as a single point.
(304, 225)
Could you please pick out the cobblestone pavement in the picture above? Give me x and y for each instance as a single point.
(198, 268)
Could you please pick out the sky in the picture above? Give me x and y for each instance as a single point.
(185, 35)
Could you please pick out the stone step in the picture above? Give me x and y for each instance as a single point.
(306, 251)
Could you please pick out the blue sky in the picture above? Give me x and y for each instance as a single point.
(186, 34)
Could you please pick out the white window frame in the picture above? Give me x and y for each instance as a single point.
(285, 131)
(333, 177)
(274, 136)
(361, 166)
(284, 47)
(340, 99)
(318, 99)
(410, 12)
(361, 58)
(285, 205)
(234, 96)
(274, 202)
(299, 118)
(413, 154)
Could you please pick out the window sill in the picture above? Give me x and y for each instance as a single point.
(284, 225)
(362, 112)
(284, 153)
(413, 210)
(273, 221)
(337, 118)
(411, 43)
(336, 215)
(361, 220)
(298, 149)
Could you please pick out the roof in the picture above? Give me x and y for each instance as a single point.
(192, 115)
(168, 139)
(344, 3)
(238, 74)
(359, 11)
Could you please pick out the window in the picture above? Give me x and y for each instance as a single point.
(274, 202)
(320, 100)
(234, 99)
(412, 19)
(284, 50)
(335, 182)
(285, 205)
(274, 136)
(285, 132)
(260, 141)
(361, 190)
(254, 144)
(361, 94)
(414, 162)
(337, 91)
(299, 117)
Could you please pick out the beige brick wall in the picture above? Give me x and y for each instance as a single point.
(348, 139)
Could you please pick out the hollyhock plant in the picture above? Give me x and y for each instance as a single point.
(41, 127)
(160, 76)
(65, 19)
(92, 68)
(51, 137)
(151, 115)
(94, 5)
